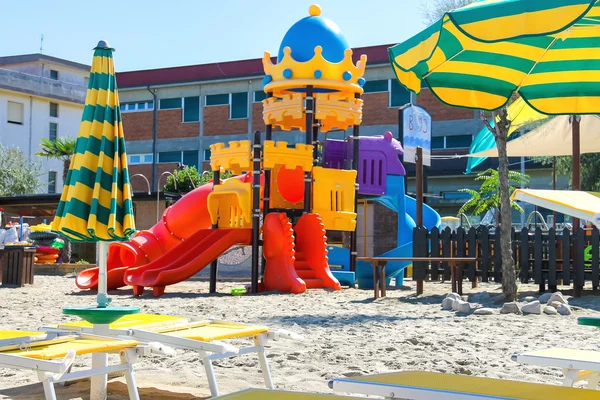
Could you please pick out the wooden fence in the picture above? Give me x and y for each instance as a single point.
(544, 257)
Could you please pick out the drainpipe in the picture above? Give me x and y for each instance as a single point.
(154, 135)
(30, 126)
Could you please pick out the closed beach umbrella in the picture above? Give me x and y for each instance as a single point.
(96, 205)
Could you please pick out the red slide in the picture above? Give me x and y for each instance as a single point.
(185, 260)
(294, 267)
(178, 222)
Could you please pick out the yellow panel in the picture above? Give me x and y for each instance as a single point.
(236, 158)
(5, 335)
(338, 111)
(277, 200)
(333, 194)
(139, 321)
(81, 346)
(230, 204)
(264, 394)
(481, 386)
(219, 330)
(277, 153)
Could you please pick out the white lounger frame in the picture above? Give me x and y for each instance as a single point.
(50, 372)
(389, 391)
(573, 370)
(209, 351)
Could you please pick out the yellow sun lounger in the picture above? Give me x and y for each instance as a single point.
(416, 385)
(51, 355)
(577, 365)
(203, 335)
(262, 394)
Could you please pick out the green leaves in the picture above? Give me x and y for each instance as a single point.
(17, 174)
(487, 197)
(589, 168)
(61, 148)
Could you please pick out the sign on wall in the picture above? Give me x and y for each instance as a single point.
(417, 133)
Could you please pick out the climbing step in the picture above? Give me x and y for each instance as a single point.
(306, 273)
(313, 283)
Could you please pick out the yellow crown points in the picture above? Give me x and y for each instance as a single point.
(318, 72)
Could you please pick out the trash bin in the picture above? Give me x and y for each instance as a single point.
(16, 264)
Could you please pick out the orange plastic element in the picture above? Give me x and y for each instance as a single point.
(311, 253)
(186, 259)
(338, 111)
(278, 250)
(230, 204)
(289, 183)
(236, 158)
(333, 193)
(285, 111)
(278, 153)
(178, 222)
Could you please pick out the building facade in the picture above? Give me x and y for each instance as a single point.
(41, 97)
(199, 105)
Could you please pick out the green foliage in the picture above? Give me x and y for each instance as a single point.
(589, 168)
(487, 197)
(433, 10)
(17, 174)
(184, 184)
(82, 262)
(60, 149)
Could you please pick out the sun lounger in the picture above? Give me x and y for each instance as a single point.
(203, 335)
(262, 394)
(416, 385)
(51, 355)
(577, 365)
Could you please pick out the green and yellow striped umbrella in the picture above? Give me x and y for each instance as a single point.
(547, 51)
(96, 201)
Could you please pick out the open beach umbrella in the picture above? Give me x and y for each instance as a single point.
(95, 205)
(479, 56)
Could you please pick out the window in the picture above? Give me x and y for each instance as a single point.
(190, 158)
(217, 99)
(54, 110)
(86, 82)
(169, 104)
(150, 105)
(54, 74)
(169, 157)
(52, 182)
(53, 133)
(131, 107)
(15, 113)
(437, 142)
(458, 141)
(137, 106)
(206, 155)
(140, 158)
(259, 96)
(399, 96)
(141, 106)
(239, 105)
(376, 86)
(191, 109)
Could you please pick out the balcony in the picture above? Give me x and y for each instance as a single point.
(40, 86)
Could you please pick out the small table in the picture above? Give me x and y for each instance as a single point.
(379, 263)
(16, 265)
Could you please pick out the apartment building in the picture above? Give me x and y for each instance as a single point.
(41, 97)
(198, 105)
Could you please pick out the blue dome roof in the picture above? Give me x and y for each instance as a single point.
(311, 32)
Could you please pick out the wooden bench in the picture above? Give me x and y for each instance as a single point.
(16, 265)
(379, 278)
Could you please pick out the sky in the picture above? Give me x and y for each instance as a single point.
(154, 34)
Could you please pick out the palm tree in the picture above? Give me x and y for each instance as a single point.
(60, 149)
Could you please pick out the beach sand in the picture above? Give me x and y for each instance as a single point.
(347, 333)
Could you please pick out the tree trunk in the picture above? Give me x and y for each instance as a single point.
(66, 165)
(66, 250)
(509, 277)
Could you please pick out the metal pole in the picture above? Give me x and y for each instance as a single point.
(315, 134)
(577, 289)
(419, 184)
(355, 163)
(267, 187)
(255, 209)
(522, 187)
(554, 186)
(154, 136)
(310, 108)
(214, 265)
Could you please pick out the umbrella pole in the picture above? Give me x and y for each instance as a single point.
(576, 185)
(102, 297)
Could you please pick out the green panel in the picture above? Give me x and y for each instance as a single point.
(458, 141)
(191, 109)
(376, 86)
(190, 158)
(437, 142)
(101, 315)
(168, 104)
(259, 95)
(239, 105)
(217, 99)
(400, 96)
(169, 157)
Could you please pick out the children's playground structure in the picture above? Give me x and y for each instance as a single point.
(283, 198)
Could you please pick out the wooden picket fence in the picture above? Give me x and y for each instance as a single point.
(545, 257)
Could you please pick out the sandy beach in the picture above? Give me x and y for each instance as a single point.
(347, 333)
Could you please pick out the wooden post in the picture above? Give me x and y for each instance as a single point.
(419, 186)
